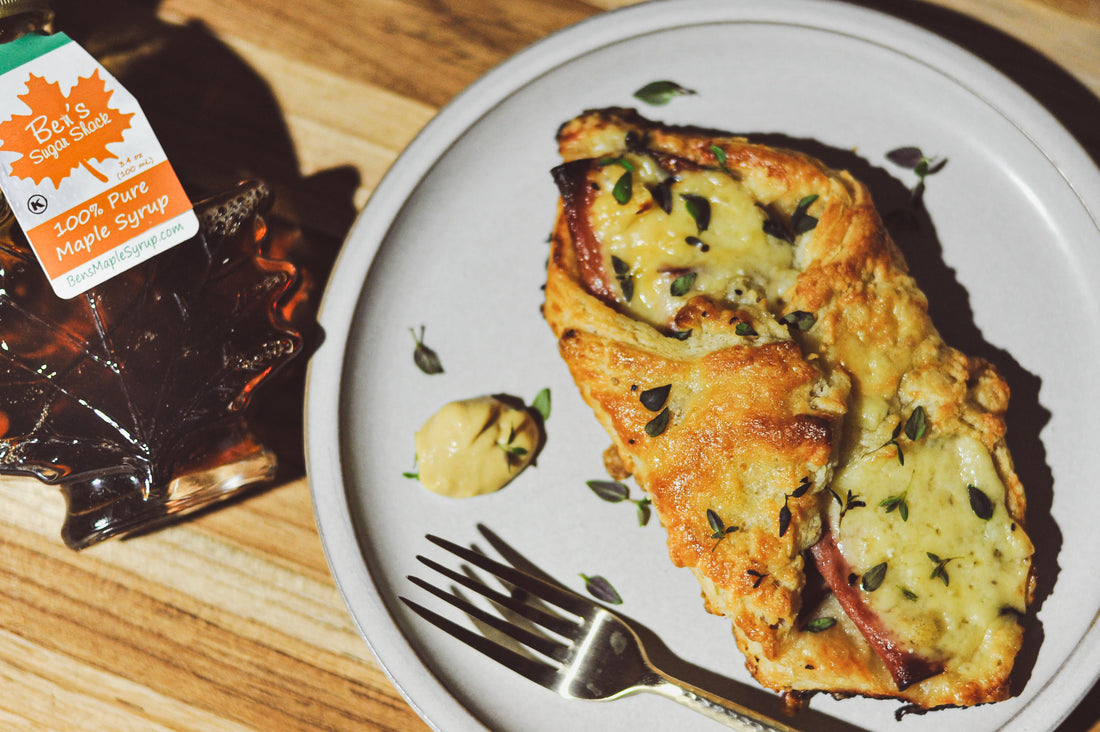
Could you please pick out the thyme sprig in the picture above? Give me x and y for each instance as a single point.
(425, 358)
(916, 427)
(624, 277)
(719, 529)
(413, 474)
(511, 450)
(785, 512)
(897, 503)
(940, 568)
(614, 491)
(846, 504)
(911, 157)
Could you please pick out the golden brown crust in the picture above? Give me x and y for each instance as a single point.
(752, 421)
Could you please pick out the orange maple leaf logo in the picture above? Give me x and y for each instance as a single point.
(62, 132)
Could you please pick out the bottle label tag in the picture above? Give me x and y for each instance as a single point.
(80, 167)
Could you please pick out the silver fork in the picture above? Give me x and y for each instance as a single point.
(599, 656)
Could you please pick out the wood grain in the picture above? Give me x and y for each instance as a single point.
(231, 621)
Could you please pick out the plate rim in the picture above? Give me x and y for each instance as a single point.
(325, 372)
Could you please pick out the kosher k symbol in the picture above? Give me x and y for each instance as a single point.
(37, 203)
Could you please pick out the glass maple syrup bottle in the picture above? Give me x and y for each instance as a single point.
(135, 329)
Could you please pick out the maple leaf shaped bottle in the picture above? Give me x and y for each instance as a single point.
(132, 396)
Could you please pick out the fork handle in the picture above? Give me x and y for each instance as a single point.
(722, 710)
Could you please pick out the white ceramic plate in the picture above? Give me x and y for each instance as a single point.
(455, 238)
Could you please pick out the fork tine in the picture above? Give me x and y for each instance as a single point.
(545, 646)
(554, 623)
(542, 589)
(534, 670)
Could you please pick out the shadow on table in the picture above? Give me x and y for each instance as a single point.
(219, 123)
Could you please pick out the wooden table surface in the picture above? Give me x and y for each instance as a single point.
(230, 620)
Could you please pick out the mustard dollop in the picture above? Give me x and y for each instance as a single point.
(474, 446)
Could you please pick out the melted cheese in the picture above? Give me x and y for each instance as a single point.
(735, 262)
(987, 559)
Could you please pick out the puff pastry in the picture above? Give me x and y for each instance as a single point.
(832, 472)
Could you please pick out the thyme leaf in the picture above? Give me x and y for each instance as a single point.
(719, 155)
(621, 161)
(655, 398)
(722, 159)
(785, 512)
(778, 230)
(917, 424)
(660, 93)
(624, 188)
(906, 157)
(601, 589)
(611, 491)
(873, 577)
(758, 575)
(799, 319)
(620, 267)
(801, 222)
(662, 193)
(698, 208)
(425, 358)
(980, 503)
(784, 519)
(682, 284)
(744, 329)
(658, 424)
(541, 404)
(803, 485)
(819, 624)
